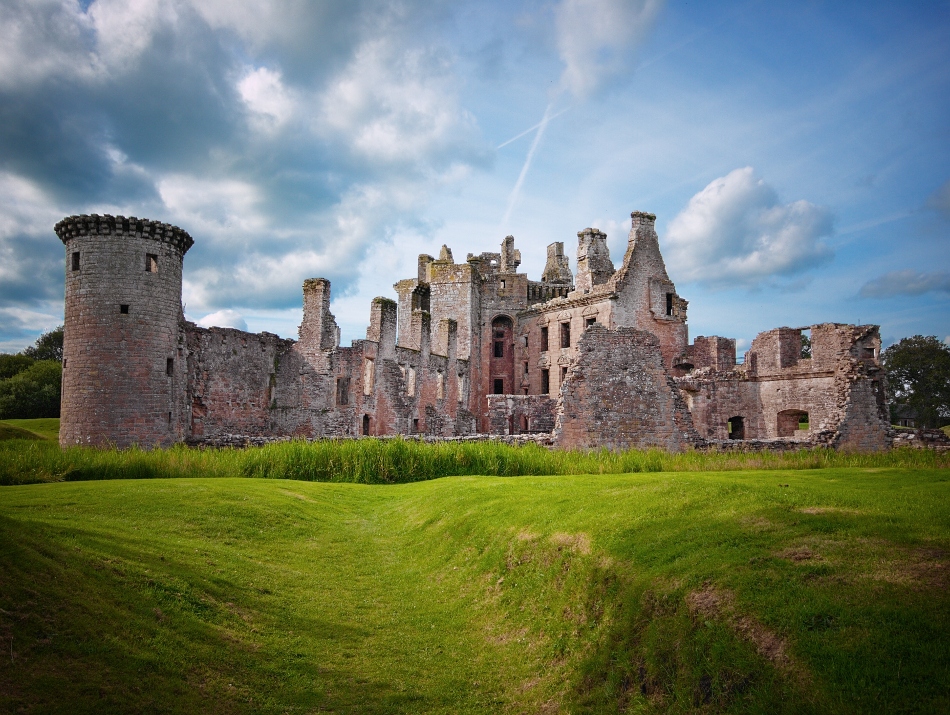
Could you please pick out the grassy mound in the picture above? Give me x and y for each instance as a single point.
(784, 591)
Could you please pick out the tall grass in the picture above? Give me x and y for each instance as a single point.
(372, 461)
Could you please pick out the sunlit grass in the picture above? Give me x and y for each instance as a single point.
(479, 594)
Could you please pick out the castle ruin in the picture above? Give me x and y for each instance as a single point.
(597, 359)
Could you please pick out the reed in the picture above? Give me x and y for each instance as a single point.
(390, 461)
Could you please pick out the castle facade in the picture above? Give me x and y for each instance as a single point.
(596, 358)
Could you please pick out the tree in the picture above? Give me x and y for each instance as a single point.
(918, 372)
(49, 346)
(11, 365)
(34, 392)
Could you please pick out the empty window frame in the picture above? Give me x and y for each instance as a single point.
(124, 308)
(669, 304)
(565, 335)
(170, 366)
(151, 263)
(544, 339)
(343, 390)
(499, 349)
(369, 376)
(366, 425)
(498, 387)
(75, 261)
(563, 373)
(545, 382)
(589, 322)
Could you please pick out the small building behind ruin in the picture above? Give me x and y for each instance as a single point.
(599, 357)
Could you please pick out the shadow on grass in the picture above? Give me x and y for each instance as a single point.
(87, 626)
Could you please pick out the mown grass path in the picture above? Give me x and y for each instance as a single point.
(780, 591)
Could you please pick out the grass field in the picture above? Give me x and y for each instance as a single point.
(823, 590)
(818, 589)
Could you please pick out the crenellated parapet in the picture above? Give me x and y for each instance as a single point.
(95, 225)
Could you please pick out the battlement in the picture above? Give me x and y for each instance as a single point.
(106, 225)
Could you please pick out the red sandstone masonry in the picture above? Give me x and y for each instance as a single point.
(619, 395)
(431, 362)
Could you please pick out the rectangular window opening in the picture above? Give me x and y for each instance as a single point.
(563, 374)
(415, 425)
(151, 263)
(525, 369)
(544, 339)
(343, 390)
(369, 375)
(590, 321)
(499, 386)
(669, 304)
(545, 382)
(170, 366)
(565, 335)
(75, 260)
(499, 349)
(124, 309)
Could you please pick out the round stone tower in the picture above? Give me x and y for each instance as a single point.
(123, 371)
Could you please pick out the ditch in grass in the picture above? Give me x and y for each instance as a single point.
(823, 590)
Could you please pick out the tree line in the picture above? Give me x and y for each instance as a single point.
(31, 380)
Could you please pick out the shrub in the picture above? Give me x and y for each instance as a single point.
(31, 393)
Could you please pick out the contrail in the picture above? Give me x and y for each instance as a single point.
(513, 198)
(530, 129)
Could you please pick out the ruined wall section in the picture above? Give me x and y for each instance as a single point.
(233, 380)
(839, 391)
(619, 395)
(521, 414)
(123, 348)
(594, 266)
(646, 297)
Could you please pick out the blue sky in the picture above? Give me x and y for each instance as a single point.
(797, 155)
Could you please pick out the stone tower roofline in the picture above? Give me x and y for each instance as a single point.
(96, 225)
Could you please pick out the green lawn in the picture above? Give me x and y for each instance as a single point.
(822, 590)
(47, 428)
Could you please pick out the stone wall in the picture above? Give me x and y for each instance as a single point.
(619, 395)
(123, 367)
(605, 362)
(837, 396)
(520, 414)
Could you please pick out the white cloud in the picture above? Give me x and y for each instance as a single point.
(224, 319)
(906, 282)
(223, 209)
(736, 231)
(43, 38)
(596, 38)
(268, 101)
(397, 104)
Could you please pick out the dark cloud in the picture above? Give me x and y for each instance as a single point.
(906, 282)
(286, 137)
